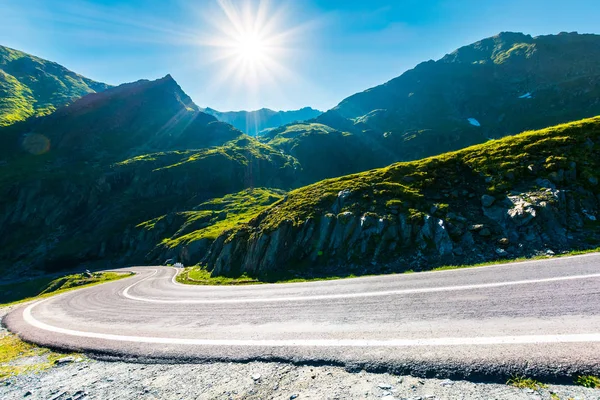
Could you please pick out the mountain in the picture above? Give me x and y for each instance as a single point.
(131, 119)
(530, 194)
(255, 123)
(137, 173)
(323, 151)
(496, 87)
(32, 86)
(78, 185)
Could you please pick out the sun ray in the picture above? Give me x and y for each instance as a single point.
(249, 41)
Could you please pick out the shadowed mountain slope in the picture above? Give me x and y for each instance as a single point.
(75, 184)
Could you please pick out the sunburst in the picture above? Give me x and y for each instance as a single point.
(250, 42)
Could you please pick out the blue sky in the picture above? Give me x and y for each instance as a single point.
(325, 50)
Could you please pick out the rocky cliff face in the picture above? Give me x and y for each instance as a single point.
(532, 194)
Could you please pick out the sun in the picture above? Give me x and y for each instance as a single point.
(251, 41)
(251, 48)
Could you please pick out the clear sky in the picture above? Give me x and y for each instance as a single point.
(236, 54)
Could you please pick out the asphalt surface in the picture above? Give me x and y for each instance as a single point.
(539, 318)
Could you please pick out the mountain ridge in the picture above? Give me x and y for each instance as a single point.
(495, 87)
(30, 86)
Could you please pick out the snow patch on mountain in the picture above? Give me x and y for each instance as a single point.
(473, 122)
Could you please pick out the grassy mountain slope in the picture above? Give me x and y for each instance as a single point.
(516, 196)
(496, 87)
(76, 184)
(186, 235)
(32, 86)
(324, 152)
(255, 123)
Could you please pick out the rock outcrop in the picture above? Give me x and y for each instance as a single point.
(525, 223)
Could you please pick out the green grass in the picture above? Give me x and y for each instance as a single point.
(281, 137)
(45, 287)
(18, 357)
(588, 381)
(525, 383)
(200, 276)
(23, 95)
(516, 260)
(407, 184)
(218, 215)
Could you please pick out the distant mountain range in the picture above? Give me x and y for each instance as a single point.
(256, 123)
(32, 86)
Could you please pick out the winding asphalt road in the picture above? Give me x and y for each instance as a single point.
(541, 318)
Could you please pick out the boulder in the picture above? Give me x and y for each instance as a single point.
(557, 176)
(340, 201)
(501, 252)
(434, 232)
(326, 226)
(522, 212)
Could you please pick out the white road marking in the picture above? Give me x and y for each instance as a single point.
(126, 290)
(450, 341)
(174, 280)
(513, 264)
(352, 295)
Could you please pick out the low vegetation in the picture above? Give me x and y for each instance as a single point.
(217, 215)
(516, 260)
(588, 381)
(200, 276)
(17, 357)
(43, 287)
(23, 95)
(526, 383)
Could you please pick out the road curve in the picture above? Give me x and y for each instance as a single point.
(540, 318)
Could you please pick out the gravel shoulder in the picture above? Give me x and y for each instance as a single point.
(92, 379)
(81, 378)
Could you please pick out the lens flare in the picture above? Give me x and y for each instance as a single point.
(36, 143)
